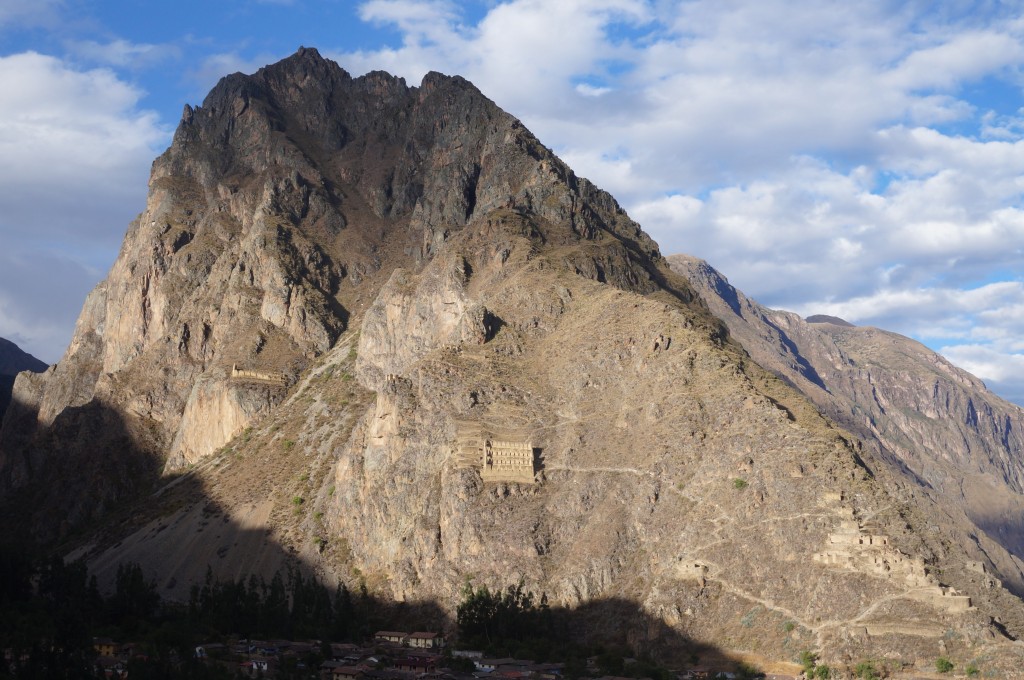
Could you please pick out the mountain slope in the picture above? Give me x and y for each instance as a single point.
(954, 437)
(383, 332)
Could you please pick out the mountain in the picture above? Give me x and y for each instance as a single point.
(13, 360)
(382, 333)
(952, 436)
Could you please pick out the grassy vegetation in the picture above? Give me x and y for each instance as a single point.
(865, 670)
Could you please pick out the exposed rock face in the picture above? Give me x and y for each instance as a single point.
(284, 203)
(418, 266)
(12, 362)
(916, 409)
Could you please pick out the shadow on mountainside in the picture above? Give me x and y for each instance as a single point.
(6, 386)
(117, 509)
(55, 485)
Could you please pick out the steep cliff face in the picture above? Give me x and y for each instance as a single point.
(348, 297)
(914, 408)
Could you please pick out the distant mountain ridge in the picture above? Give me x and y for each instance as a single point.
(953, 435)
(14, 360)
(825, 318)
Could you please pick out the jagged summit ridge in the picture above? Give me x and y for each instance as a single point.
(282, 206)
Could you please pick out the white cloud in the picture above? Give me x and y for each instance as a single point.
(420, 21)
(592, 90)
(965, 56)
(77, 152)
(1002, 372)
(123, 53)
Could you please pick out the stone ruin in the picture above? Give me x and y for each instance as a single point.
(691, 570)
(507, 462)
(261, 376)
(497, 460)
(857, 548)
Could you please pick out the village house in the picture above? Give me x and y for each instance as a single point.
(548, 671)
(105, 646)
(492, 664)
(210, 649)
(332, 670)
(255, 666)
(394, 637)
(111, 667)
(422, 653)
(423, 640)
(417, 666)
(341, 651)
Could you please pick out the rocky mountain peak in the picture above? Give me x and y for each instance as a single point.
(281, 209)
(385, 331)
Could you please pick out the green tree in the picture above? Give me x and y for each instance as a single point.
(510, 616)
(943, 665)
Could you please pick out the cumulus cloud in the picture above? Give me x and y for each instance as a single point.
(1002, 372)
(70, 138)
(76, 152)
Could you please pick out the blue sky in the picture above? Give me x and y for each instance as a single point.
(857, 159)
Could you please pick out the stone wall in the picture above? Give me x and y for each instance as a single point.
(262, 376)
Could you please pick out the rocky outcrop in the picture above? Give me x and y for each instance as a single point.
(217, 410)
